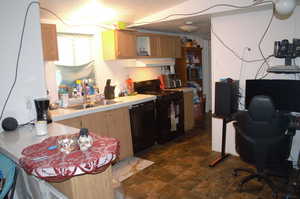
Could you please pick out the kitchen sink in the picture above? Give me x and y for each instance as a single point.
(96, 104)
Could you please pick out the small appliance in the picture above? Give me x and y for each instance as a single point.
(109, 91)
(171, 81)
(42, 109)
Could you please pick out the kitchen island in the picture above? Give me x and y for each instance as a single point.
(84, 186)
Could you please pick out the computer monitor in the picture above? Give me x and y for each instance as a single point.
(284, 93)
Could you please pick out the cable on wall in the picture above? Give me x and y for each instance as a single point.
(18, 57)
(232, 51)
(261, 66)
(264, 34)
(202, 11)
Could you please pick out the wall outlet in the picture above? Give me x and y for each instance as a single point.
(28, 102)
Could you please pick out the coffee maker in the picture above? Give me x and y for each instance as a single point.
(42, 109)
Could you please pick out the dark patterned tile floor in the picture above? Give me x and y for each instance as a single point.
(181, 171)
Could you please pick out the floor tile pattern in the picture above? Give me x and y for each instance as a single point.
(180, 171)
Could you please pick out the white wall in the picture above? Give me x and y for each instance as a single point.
(239, 31)
(30, 83)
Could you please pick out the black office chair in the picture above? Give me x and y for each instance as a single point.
(262, 140)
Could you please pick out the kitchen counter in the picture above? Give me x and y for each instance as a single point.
(183, 89)
(13, 142)
(67, 113)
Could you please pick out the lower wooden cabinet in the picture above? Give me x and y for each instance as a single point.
(88, 186)
(113, 123)
(189, 119)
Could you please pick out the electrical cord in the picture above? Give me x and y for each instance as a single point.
(232, 51)
(261, 66)
(18, 57)
(201, 11)
(264, 34)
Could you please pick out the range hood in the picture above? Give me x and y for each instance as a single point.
(284, 69)
(153, 62)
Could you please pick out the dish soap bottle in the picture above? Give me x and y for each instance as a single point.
(85, 141)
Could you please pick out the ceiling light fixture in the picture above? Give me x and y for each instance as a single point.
(188, 27)
(284, 7)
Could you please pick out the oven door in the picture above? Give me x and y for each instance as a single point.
(169, 119)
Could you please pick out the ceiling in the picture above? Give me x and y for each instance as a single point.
(201, 21)
(127, 10)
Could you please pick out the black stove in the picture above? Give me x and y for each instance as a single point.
(169, 109)
(152, 87)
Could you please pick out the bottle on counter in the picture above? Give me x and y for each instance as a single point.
(129, 85)
(85, 141)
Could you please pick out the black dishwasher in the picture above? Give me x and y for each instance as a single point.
(143, 126)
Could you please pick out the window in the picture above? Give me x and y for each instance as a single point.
(76, 59)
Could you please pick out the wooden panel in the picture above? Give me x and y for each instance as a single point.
(120, 128)
(155, 46)
(177, 46)
(49, 40)
(167, 46)
(96, 123)
(125, 44)
(108, 45)
(188, 111)
(88, 186)
(73, 122)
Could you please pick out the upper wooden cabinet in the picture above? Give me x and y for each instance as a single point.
(49, 40)
(121, 44)
(118, 44)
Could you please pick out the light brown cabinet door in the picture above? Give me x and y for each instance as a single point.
(177, 46)
(119, 128)
(167, 46)
(49, 40)
(125, 44)
(188, 111)
(155, 46)
(75, 122)
(96, 123)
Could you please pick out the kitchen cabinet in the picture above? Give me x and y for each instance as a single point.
(118, 44)
(75, 122)
(49, 41)
(88, 186)
(170, 46)
(113, 123)
(119, 127)
(122, 44)
(189, 120)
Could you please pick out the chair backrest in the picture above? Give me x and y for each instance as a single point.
(261, 133)
(8, 168)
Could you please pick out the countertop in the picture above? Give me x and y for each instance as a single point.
(12, 143)
(183, 89)
(67, 113)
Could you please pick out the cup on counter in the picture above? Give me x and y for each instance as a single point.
(41, 127)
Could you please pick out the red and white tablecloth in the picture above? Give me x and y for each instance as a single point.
(54, 165)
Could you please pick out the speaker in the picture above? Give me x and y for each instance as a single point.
(9, 124)
(226, 98)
